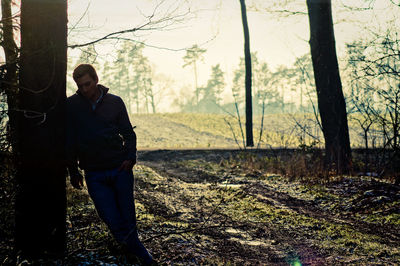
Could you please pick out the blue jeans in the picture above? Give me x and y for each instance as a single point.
(112, 194)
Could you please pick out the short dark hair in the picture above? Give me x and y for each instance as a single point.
(84, 69)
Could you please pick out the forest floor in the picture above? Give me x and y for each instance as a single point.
(203, 207)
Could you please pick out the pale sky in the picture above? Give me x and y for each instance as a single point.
(214, 25)
(217, 30)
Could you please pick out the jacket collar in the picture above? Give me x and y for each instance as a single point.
(104, 90)
(100, 87)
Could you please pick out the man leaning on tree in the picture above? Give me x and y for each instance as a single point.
(100, 137)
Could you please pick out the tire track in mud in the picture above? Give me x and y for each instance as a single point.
(386, 233)
(255, 242)
(281, 245)
(205, 220)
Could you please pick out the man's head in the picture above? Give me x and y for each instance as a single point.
(84, 69)
(86, 79)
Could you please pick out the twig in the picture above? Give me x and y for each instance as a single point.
(233, 132)
(240, 124)
(262, 124)
(80, 19)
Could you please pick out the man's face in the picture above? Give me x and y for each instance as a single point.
(87, 86)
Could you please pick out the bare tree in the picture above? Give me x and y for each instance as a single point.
(331, 103)
(375, 69)
(162, 17)
(41, 198)
(247, 57)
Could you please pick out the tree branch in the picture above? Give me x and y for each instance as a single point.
(168, 18)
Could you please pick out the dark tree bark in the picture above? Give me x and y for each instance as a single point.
(331, 103)
(9, 83)
(41, 199)
(247, 58)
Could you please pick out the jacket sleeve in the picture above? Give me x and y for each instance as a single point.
(71, 144)
(127, 132)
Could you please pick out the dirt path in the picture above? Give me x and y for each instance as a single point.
(208, 212)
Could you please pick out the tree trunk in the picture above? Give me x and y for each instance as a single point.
(331, 103)
(152, 101)
(137, 100)
(247, 58)
(41, 199)
(9, 83)
(366, 160)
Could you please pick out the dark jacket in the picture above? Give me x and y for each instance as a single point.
(100, 138)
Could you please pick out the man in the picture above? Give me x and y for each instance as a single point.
(101, 138)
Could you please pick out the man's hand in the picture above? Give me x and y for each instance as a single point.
(127, 165)
(77, 180)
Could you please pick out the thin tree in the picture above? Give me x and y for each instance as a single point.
(331, 103)
(121, 74)
(215, 86)
(41, 198)
(194, 54)
(266, 92)
(247, 57)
